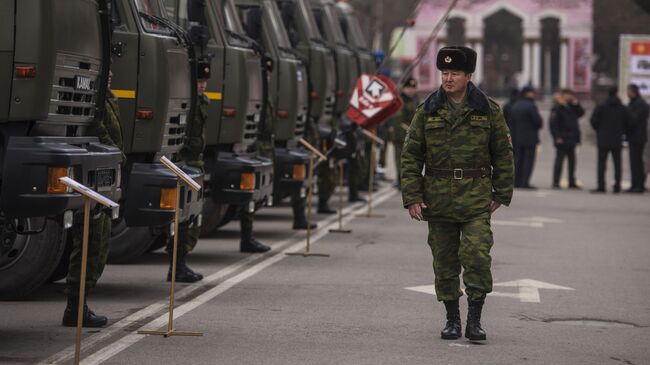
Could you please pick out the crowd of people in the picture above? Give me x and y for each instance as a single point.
(613, 122)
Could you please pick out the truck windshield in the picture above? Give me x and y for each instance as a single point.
(277, 28)
(353, 32)
(308, 18)
(152, 8)
(233, 27)
(328, 25)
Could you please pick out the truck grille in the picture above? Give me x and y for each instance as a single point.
(301, 120)
(74, 89)
(329, 106)
(175, 125)
(251, 124)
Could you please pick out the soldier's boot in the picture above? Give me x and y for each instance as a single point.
(473, 330)
(453, 329)
(354, 197)
(324, 208)
(183, 273)
(90, 319)
(300, 220)
(249, 244)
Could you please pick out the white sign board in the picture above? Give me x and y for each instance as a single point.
(634, 64)
(88, 192)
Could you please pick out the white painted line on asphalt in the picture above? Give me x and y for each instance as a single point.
(125, 342)
(541, 220)
(458, 345)
(68, 353)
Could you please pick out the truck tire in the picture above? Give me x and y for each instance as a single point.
(61, 270)
(129, 243)
(158, 243)
(213, 216)
(32, 258)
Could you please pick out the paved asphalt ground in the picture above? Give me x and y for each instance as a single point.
(573, 270)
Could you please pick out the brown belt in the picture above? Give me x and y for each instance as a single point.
(458, 174)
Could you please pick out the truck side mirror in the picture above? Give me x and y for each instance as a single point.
(196, 11)
(198, 34)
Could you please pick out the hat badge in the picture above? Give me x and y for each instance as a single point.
(448, 59)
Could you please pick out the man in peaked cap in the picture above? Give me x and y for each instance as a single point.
(461, 140)
(192, 154)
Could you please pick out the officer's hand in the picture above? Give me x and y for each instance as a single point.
(494, 206)
(415, 210)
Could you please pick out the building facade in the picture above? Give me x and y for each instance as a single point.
(543, 43)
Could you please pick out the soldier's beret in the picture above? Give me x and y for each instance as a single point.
(203, 70)
(456, 58)
(410, 82)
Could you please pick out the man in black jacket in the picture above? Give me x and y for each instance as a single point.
(637, 136)
(526, 122)
(610, 120)
(565, 131)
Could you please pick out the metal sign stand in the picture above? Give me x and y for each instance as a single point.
(340, 210)
(310, 184)
(196, 187)
(89, 196)
(371, 179)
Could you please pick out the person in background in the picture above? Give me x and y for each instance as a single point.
(637, 136)
(403, 119)
(610, 120)
(514, 95)
(527, 122)
(565, 131)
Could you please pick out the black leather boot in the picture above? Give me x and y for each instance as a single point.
(354, 197)
(183, 273)
(300, 220)
(452, 330)
(90, 319)
(324, 208)
(249, 244)
(473, 330)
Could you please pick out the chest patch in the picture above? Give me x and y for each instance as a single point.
(478, 118)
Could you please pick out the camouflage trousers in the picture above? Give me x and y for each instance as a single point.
(327, 180)
(188, 236)
(465, 246)
(99, 236)
(356, 177)
(398, 162)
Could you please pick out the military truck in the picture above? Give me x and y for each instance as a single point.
(325, 14)
(355, 38)
(306, 39)
(286, 93)
(235, 174)
(54, 67)
(155, 84)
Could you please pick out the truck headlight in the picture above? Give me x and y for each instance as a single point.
(168, 198)
(54, 186)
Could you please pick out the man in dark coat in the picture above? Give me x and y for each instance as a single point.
(565, 131)
(637, 136)
(507, 107)
(610, 119)
(527, 123)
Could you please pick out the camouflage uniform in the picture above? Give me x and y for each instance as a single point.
(327, 174)
(398, 134)
(458, 210)
(192, 155)
(109, 132)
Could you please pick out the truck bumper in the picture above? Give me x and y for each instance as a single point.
(226, 169)
(143, 192)
(285, 183)
(25, 173)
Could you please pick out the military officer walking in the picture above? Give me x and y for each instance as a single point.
(460, 138)
(109, 132)
(402, 119)
(192, 154)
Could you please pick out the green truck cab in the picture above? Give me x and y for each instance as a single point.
(325, 14)
(235, 174)
(53, 74)
(286, 93)
(154, 81)
(355, 38)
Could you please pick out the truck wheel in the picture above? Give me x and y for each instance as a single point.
(128, 243)
(213, 215)
(27, 261)
(158, 243)
(61, 270)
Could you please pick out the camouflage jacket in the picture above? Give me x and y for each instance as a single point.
(478, 139)
(405, 115)
(109, 129)
(192, 151)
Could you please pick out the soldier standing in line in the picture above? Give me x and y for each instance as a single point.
(565, 130)
(460, 137)
(527, 122)
(403, 118)
(192, 154)
(109, 132)
(637, 136)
